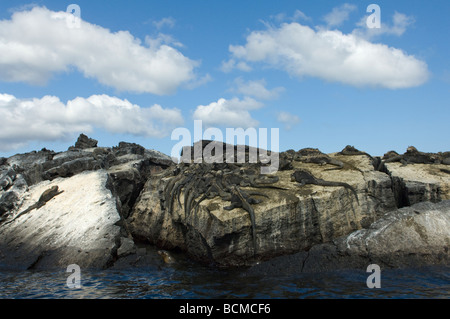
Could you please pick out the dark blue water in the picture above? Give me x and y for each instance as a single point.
(193, 281)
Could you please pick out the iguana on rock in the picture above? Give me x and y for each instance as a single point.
(43, 199)
(313, 155)
(413, 156)
(241, 200)
(322, 160)
(351, 150)
(200, 181)
(304, 178)
(285, 160)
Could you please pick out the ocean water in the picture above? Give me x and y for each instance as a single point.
(193, 281)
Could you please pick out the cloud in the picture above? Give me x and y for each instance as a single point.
(400, 23)
(288, 119)
(256, 89)
(231, 64)
(229, 113)
(298, 15)
(332, 56)
(22, 7)
(36, 44)
(199, 82)
(162, 39)
(49, 119)
(164, 22)
(339, 14)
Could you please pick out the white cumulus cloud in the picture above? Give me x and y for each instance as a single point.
(298, 15)
(256, 89)
(229, 113)
(37, 43)
(332, 56)
(339, 14)
(49, 119)
(164, 22)
(231, 64)
(289, 120)
(399, 25)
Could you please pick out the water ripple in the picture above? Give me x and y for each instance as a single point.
(202, 282)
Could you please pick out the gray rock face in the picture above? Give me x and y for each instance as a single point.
(75, 227)
(290, 220)
(12, 187)
(408, 237)
(102, 182)
(85, 142)
(421, 230)
(222, 214)
(127, 247)
(415, 183)
(8, 202)
(47, 165)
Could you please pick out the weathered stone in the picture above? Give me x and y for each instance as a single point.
(291, 220)
(8, 202)
(126, 182)
(409, 237)
(7, 179)
(10, 197)
(127, 247)
(153, 201)
(415, 183)
(29, 164)
(75, 227)
(85, 142)
(72, 168)
(125, 148)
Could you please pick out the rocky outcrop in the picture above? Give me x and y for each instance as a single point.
(113, 177)
(415, 183)
(408, 237)
(75, 227)
(289, 219)
(84, 142)
(224, 214)
(129, 165)
(417, 176)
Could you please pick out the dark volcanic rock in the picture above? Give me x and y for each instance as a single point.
(125, 148)
(225, 214)
(85, 142)
(175, 210)
(73, 167)
(179, 210)
(8, 202)
(409, 237)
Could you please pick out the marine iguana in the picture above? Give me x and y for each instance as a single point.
(313, 155)
(241, 200)
(413, 156)
(351, 150)
(285, 160)
(322, 160)
(304, 178)
(199, 181)
(46, 196)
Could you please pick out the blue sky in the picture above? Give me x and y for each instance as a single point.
(135, 70)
